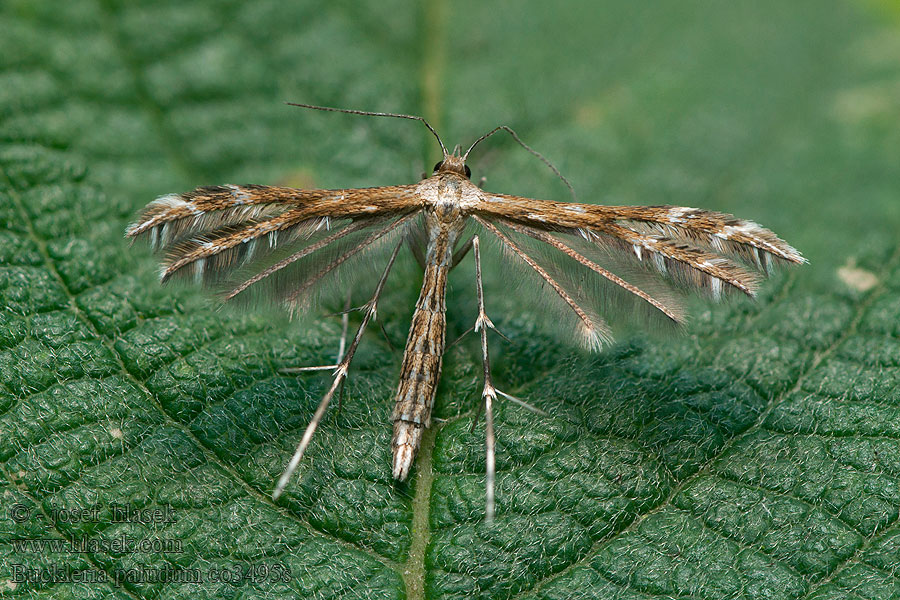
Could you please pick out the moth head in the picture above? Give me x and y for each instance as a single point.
(453, 163)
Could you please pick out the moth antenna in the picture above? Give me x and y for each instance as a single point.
(527, 147)
(367, 113)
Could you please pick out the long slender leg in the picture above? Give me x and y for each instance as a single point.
(342, 344)
(461, 252)
(489, 394)
(460, 338)
(345, 324)
(340, 374)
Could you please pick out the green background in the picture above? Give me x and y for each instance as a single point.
(754, 456)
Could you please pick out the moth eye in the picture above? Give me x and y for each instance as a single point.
(468, 171)
(438, 166)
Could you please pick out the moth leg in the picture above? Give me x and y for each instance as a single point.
(489, 393)
(386, 337)
(345, 324)
(460, 338)
(340, 373)
(460, 253)
(342, 344)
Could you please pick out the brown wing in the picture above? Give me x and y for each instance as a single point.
(699, 249)
(281, 241)
(582, 297)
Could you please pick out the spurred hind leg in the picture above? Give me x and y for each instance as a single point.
(340, 373)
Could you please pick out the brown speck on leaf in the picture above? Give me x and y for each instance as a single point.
(856, 278)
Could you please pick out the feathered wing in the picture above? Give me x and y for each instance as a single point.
(608, 250)
(570, 306)
(254, 242)
(585, 294)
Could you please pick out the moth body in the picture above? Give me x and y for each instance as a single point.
(443, 194)
(421, 367)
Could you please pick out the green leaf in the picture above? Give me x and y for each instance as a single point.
(755, 456)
